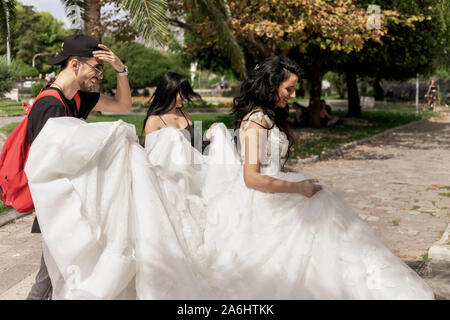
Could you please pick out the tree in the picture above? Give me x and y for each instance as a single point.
(27, 38)
(33, 33)
(312, 32)
(150, 19)
(146, 66)
(144, 17)
(89, 13)
(7, 12)
(337, 81)
(52, 35)
(21, 70)
(409, 48)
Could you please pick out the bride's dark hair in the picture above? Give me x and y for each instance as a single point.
(260, 89)
(169, 86)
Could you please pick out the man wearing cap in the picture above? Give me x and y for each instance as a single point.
(81, 60)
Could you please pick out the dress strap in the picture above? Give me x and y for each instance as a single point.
(258, 114)
(187, 121)
(162, 120)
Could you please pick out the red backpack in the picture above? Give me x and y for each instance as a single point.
(14, 190)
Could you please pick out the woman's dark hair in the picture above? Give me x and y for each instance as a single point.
(169, 86)
(260, 89)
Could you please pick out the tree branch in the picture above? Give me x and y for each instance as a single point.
(180, 24)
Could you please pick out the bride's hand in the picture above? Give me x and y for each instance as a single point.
(308, 188)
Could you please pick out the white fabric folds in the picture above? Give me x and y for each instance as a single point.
(122, 222)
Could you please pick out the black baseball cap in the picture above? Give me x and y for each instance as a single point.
(75, 45)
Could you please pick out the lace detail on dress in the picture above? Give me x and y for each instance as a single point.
(275, 146)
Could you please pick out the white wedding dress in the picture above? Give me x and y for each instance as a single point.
(106, 233)
(121, 222)
(287, 246)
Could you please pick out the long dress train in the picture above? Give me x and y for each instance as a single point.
(106, 232)
(166, 222)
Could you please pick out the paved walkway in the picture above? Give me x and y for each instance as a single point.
(20, 254)
(399, 184)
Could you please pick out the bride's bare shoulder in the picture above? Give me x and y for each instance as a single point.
(255, 119)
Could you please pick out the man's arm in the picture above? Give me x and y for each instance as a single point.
(121, 102)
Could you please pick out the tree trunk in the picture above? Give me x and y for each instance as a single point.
(314, 100)
(8, 38)
(93, 28)
(354, 107)
(341, 86)
(379, 93)
(307, 86)
(92, 23)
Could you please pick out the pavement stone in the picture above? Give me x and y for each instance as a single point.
(20, 257)
(397, 184)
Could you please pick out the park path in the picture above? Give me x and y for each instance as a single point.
(399, 184)
(7, 120)
(395, 183)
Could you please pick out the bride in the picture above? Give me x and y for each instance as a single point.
(276, 235)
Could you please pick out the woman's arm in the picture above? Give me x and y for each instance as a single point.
(252, 175)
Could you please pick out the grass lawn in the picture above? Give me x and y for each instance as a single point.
(314, 141)
(308, 141)
(4, 208)
(137, 120)
(7, 129)
(192, 105)
(11, 109)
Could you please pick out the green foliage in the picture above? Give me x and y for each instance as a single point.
(194, 105)
(4, 208)
(27, 39)
(442, 74)
(407, 49)
(145, 66)
(21, 70)
(373, 121)
(5, 76)
(36, 88)
(6, 5)
(10, 109)
(7, 129)
(138, 121)
(35, 32)
(149, 16)
(338, 83)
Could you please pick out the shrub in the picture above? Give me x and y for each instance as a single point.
(5, 76)
(22, 70)
(36, 88)
(145, 66)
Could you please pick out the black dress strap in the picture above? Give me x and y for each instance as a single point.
(162, 120)
(187, 121)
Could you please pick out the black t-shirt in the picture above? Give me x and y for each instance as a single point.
(50, 107)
